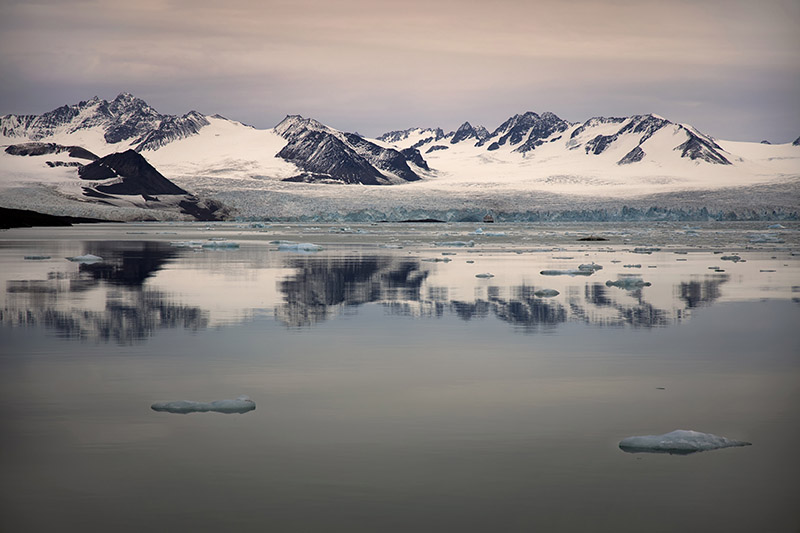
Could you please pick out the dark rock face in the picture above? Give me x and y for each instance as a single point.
(328, 155)
(632, 157)
(702, 149)
(171, 129)
(528, 127)
(412, 155)
(125, 118)
(467, 131)
(138, 176)
(436, 147)
(324, 155)
(796, 142)
(696, 147)
(36, 148)
(431, 135)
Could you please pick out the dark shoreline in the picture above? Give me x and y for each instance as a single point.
(23, 218)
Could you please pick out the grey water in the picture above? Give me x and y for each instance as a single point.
(395, 390)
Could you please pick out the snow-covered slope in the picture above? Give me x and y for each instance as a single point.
(305, 169)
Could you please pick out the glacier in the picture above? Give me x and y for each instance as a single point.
(678, 442)
(534, 167)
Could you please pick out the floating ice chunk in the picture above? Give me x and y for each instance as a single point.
(480, 231)
(299, 247)
(468, 244)
(391, 246)
(680, 441)
(776, 226)
(628, 283)
(569, 272)
(590, 266)
(485, 275)
(240, 405)
(645, 250)
(88, 258)
(546, 293)
(220, 244)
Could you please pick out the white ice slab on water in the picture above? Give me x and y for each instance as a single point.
(568, 272)
(299, 247)
(680, 441)
(213, 244)
(88, 258)
(240, 405)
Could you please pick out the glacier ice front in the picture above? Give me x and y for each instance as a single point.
(680, 441)
(240, 405)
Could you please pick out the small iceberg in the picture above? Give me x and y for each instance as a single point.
(240, 405)
(468, 244)
(680, 441)
(485, 275)
(590, 266)
(299, 247)
(215, 244)
(88, 258)
(546, 293)
(571, 272)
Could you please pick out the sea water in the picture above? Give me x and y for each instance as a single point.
(397, 390)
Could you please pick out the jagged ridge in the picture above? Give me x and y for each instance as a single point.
(327, 154)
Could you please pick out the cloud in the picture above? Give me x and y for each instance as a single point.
(353, 60)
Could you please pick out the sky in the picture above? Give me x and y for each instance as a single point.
(731, 68)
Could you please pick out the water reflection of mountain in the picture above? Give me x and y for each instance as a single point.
(123, 310)
(322, 286)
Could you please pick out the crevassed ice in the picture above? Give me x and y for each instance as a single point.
(240, 405)
(680, 441)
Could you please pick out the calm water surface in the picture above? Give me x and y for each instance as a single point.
(395, 390)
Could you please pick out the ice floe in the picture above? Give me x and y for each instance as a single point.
(217, 244)
(286, 246)
(569, 272)
(88, 258)
(240, 405)
(485, 275)
(468, 244)
(680, 441)
(590, 266)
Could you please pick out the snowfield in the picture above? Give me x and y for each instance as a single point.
(578, 169)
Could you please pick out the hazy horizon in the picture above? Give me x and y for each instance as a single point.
(728, 68)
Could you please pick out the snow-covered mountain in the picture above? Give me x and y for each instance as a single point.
(531, 163)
